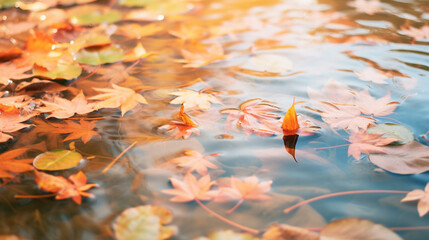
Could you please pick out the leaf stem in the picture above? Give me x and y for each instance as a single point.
(117, 158)
(247, 229)
(342, 145)
(289, 209)
(235, 206)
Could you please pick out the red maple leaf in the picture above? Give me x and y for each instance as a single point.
(361, 142)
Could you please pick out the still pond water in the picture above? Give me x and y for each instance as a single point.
(318, 52)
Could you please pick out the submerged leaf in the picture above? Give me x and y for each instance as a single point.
(144, 222)
(57, 160)
(410, 158)
(109, 54)
(392, 130)
(287, 232)
(356, 229)
(227, 235)
(269, 63)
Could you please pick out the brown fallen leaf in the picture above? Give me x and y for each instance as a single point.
(62, 108)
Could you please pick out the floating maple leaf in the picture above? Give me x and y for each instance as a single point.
(83, 130)
(422, 197)
(195, 161)
(370, 106)
(290, 122)
(12, 122)
(372, 75)
(63, 108)
(417, 33)
(182, 129)
(367, 6)
(333, 92)
(9, 165)
(191, 99)
(126, 98)
(248, 189)
(201, 55)
(254, 116)
(11, 71)
(190, 188)
(361, 142)
(345, 117)
(74, 187)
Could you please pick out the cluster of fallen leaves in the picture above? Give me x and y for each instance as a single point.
(63, 67)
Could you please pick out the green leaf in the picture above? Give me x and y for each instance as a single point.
(96, 17)
(144, 222)
(7, 3)
(109, 54)
(63, 71)
(393, 130)
(57, 160)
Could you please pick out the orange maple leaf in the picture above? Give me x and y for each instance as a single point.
(39, 41)
(290, 122)
(117, 96)
(10, 71)
(9, 165)
(74, 187)
(63, 108)
(11, 122)
(83, 130)
(182, 129)
(190, 188)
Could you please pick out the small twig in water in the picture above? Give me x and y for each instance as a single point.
(247, 229)
(289, 209)
(117, 158)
